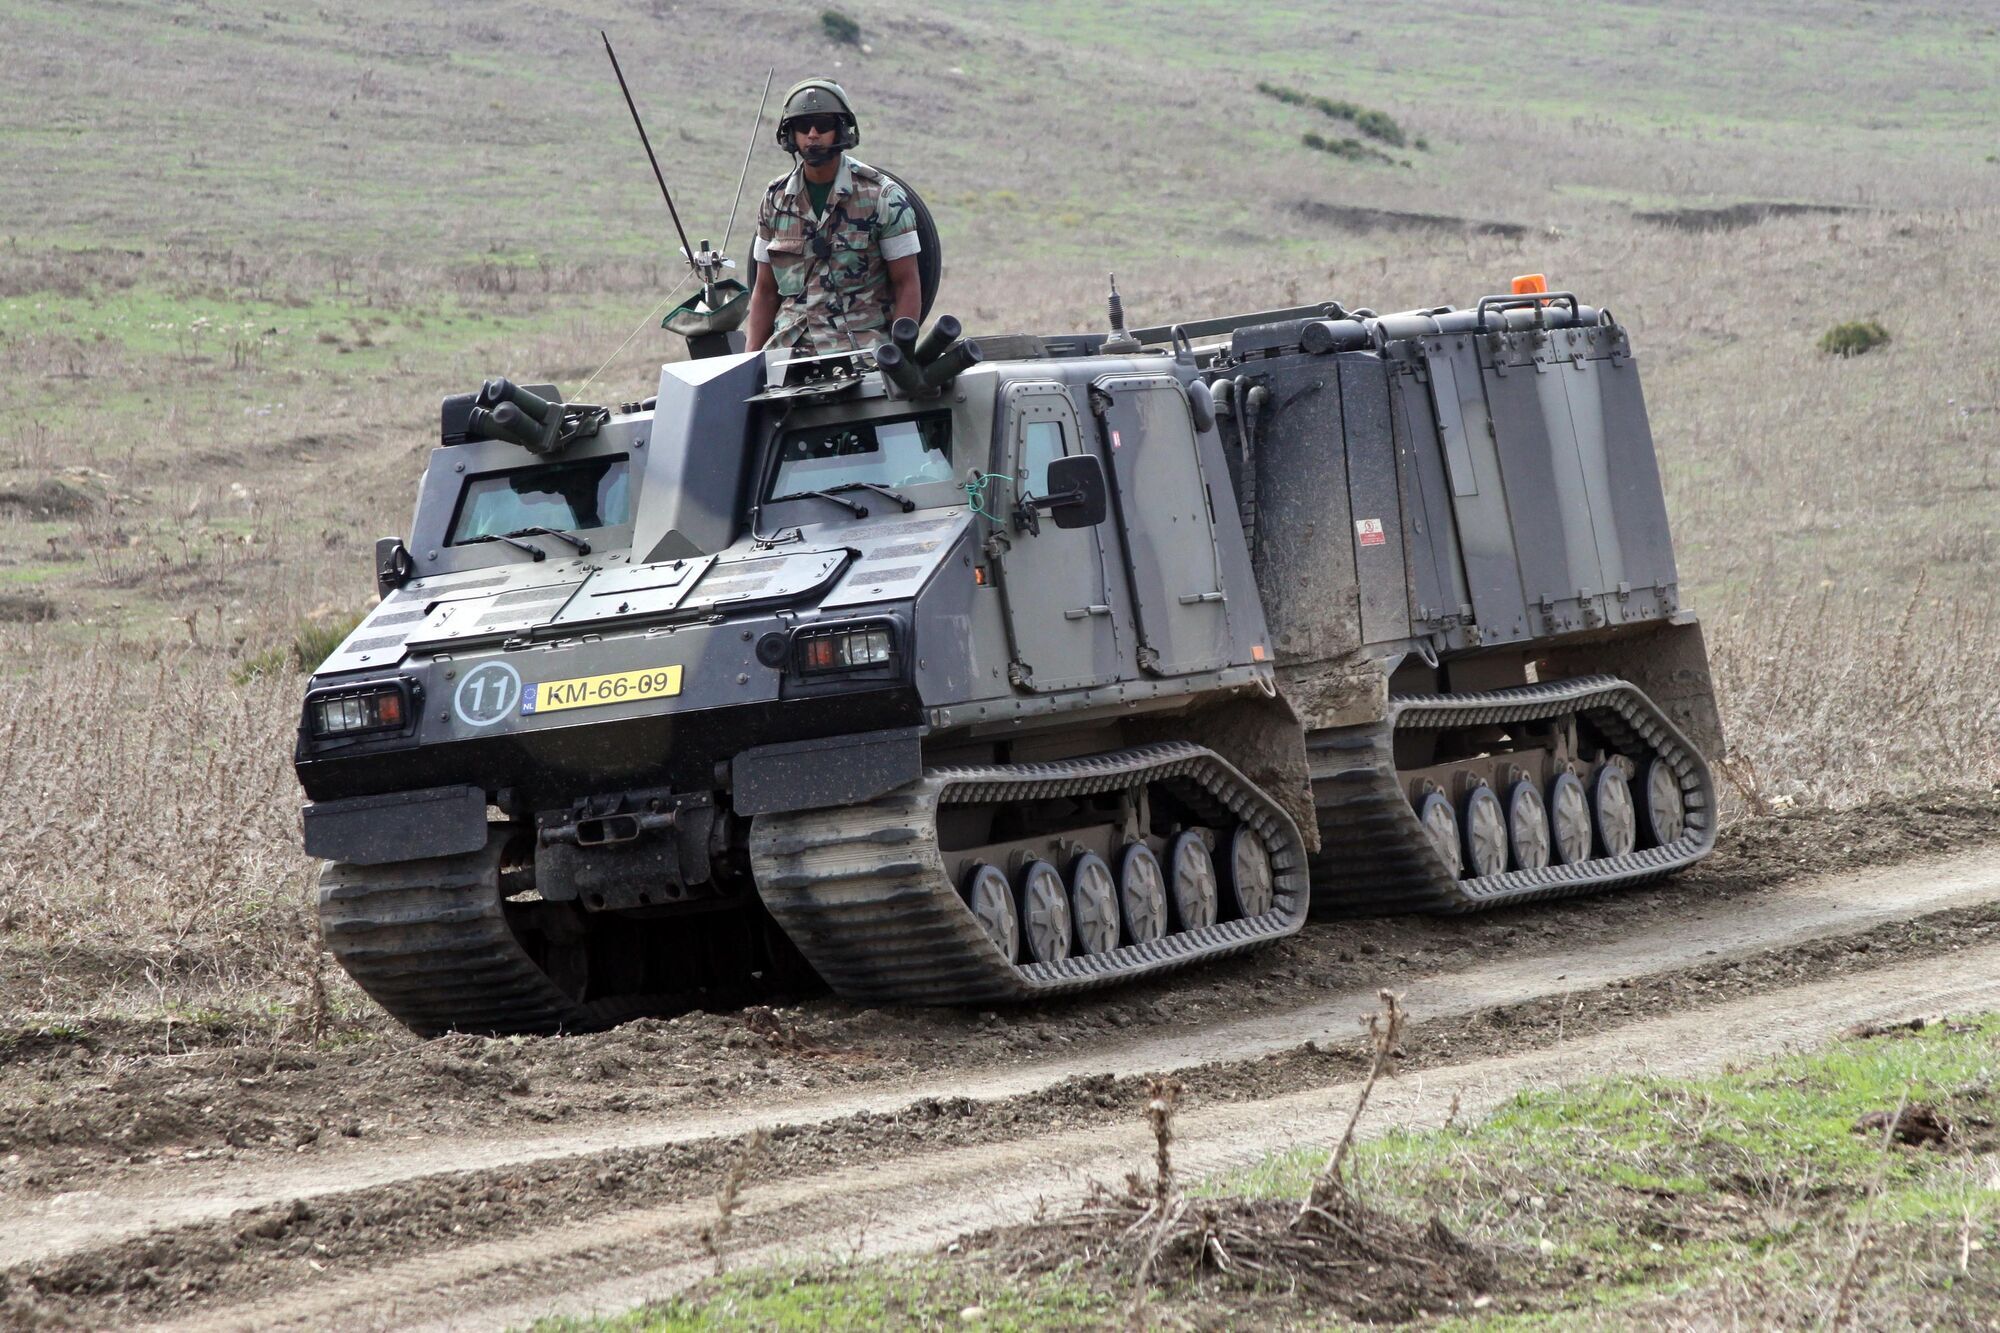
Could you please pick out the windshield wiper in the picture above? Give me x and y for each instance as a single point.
(534, 551)
(883, 491)
(859, 511)
(582, 546)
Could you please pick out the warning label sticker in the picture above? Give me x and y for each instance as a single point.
(1369, 532)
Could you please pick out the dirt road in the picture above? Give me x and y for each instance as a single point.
(483, 1225)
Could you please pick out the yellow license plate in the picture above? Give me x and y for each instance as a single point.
(620, 687)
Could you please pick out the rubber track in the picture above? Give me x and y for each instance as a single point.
(1375, 856)
(863, 892)
(429, 942)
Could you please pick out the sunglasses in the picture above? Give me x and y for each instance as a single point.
(816, 124)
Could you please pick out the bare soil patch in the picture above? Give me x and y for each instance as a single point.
(97, 1098)
(1356, 218)
(256, 1252)
(1735, 216)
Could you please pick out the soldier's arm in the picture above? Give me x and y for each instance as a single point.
(763, 309)
(764, 288)
(906, 285)
(896, 223)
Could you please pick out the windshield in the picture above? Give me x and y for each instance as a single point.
(886, 453)
(588, 493)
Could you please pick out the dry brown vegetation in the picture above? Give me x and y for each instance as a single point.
(228, 379)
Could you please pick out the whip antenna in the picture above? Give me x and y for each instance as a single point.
(665, 193)
(744, 175)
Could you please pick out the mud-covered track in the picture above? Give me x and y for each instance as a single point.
(1375, 855)
(864, 893)
(429, 942)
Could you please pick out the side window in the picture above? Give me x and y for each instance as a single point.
(1042, 443)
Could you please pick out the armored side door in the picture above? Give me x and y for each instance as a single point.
(1062, 620)
(1161, 497)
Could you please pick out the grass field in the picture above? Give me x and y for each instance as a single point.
(244, 251)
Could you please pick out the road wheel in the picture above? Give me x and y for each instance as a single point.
(1442, 825)
(1194, 889)
(1142, 894)
(1569, 819)
(1485, 828)
(1093, 904)
(1611, 803)
(1665, 810)
(992, 901)
(1252, 886)
(1527, 826)
(1045, 912)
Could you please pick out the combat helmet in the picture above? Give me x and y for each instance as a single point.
(818, 97)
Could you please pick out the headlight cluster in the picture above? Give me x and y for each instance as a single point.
(382, 707)
(843, 648)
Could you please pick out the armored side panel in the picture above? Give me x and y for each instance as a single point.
(1581, 486)
(1468, 439)
(1441, 601)
(698, 458)
(1174, 564)
(1296, 481)
(1381, 565)
(1063, 621)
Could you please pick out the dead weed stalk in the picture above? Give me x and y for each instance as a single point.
(727, 1198)
(1385, 1036)
(1334, 1250)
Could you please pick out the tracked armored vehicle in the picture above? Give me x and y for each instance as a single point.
(976, 670)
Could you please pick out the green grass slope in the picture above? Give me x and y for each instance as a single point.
(439, 132)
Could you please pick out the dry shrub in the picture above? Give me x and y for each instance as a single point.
(1834, 698)
(153, 804)
(1333, 1250)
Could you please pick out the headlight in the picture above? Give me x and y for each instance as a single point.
(381, 706)
(843, 648)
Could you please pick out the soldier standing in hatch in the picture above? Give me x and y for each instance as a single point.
(836, 239)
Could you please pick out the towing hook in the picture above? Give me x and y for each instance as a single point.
(609, 830)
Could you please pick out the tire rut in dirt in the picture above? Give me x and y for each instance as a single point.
(917, 1200)
(249, 1251)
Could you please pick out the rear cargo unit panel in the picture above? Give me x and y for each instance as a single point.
(1437, 573)
(1377, 500)
(1637, 500)
(1565, 463)
(1304, 534)
(1549, 496)
(1479, 497)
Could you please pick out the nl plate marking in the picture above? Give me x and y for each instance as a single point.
(619, 687)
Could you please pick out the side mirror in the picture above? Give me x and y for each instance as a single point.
(393, 565)
(1077, 493)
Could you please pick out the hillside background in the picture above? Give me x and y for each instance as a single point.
(245, 248)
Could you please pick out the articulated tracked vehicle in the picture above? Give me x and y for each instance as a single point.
(983, 669)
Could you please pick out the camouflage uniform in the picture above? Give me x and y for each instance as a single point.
(832, 271)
